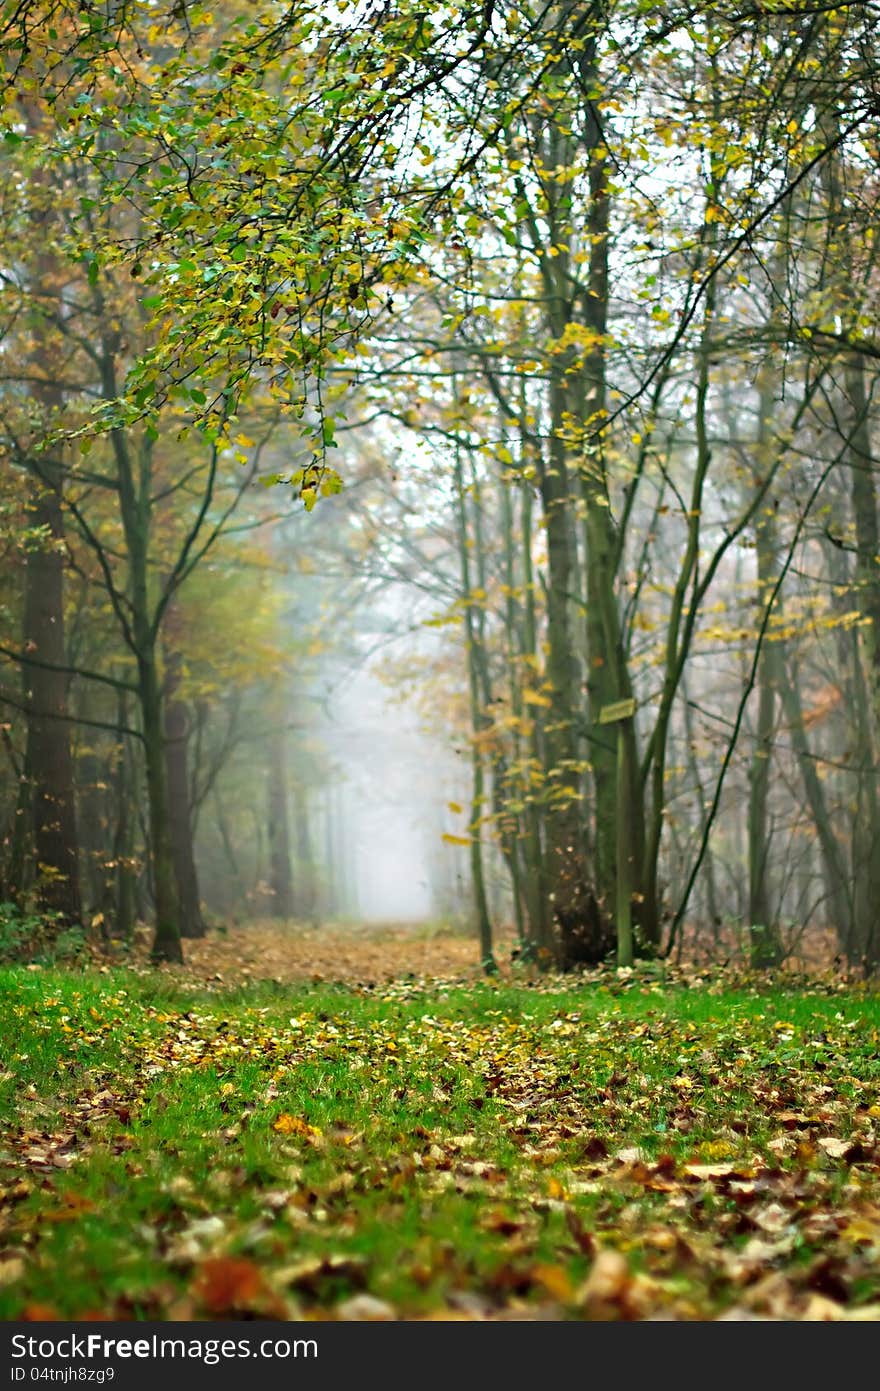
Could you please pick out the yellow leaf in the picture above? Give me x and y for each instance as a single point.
(555, 1280)
(286, 1124)
(862, 1229)
(532, 697)
(455, 840)
(454, 806)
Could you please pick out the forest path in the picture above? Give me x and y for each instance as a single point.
(365, 954)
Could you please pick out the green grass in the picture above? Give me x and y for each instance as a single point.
(276, 1150)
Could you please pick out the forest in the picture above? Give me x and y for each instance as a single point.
(439, 660)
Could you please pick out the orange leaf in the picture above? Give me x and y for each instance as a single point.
(229, 1284)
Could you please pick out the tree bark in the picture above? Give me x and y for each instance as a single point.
(278, 828)
(478, 726)
(48, 758)
(180, 819)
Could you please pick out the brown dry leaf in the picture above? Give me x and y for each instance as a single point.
(228, 1285)
(39, 1313)
(661, 1238)
(73, 1206)
(497, 1220)
(607, 1281)
(583, 1239)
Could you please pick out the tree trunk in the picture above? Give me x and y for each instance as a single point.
(864, 949)
(833, 864)
(48, 759)
(166, 938)
(278, 828)
(536, 891)
(180, 820)
(765, 944)
(478, 725)
(304, 896)
(124, 790)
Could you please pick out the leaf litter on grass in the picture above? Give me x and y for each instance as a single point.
(577, 1151)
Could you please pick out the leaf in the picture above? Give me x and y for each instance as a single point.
(229, 1285)
(834, 1147)
(314, 1274)
(456, 840)
(365, 1308)
(286, 1124)
(606, 1283)
(555, 1281)
(709, 1171)
(11, 1270)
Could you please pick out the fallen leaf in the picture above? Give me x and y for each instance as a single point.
(607, 1281)
(11, 1270)
(555, 1280)
(834, 1147)
(229, 1285)
(286, 1124)
(365, 1308)
(773, 1218)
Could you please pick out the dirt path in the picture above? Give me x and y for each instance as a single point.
(358, 954)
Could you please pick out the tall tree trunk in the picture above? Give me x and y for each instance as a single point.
(582, 931)
(513, 832)
(864, 948)
(50, 800)
(180, 819)
(123, 910)
(48, 758)
(478, 725)
(537, 893)
(765, 943)
(305, 903)
(135, 508)
(833, 863)
(166, 937)
(278, 827)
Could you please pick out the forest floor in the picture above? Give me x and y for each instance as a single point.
(375, 953)
(371, 1130)
(358, 954)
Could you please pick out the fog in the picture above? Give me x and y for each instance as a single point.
(391, 798)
